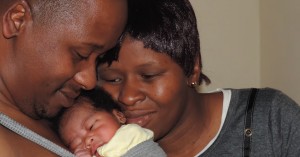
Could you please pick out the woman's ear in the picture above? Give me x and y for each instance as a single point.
(15, 18)
(120, 116)
(193, 79)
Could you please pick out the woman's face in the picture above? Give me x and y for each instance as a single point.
(151, 88)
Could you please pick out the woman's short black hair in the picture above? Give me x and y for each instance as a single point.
(165, 26)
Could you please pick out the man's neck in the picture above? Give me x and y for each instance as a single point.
(41, 127)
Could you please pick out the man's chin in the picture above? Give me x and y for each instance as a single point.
(49, 114)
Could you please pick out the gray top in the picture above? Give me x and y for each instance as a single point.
(32, 136)
(276, 126)
(147, 148)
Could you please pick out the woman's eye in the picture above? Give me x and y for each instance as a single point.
(149, 76)
(115, 80)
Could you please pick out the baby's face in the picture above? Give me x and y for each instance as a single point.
(85, 129)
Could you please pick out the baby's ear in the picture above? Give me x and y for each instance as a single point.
(120, 116)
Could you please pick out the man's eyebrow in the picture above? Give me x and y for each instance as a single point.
(97, 47)
(94, 46)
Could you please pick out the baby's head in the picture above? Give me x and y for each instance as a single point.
(91, 122)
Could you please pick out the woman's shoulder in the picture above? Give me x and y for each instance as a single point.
(268, 100)
(266, 95)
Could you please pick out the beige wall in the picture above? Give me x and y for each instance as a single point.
(280, 45)
(250, 43)
(229, 34)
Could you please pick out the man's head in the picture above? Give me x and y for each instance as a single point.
(49, 49)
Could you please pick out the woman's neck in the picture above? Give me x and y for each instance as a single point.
(197, 127)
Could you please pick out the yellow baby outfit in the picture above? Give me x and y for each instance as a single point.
(126, 137)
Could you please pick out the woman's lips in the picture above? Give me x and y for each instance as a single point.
(142, 119)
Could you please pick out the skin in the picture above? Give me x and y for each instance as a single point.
(154, 93)
(84, 128)
(43, 69)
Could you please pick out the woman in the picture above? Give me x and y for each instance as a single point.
(153, 74)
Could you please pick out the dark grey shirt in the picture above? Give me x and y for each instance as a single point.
(147, 148)
(275, 126)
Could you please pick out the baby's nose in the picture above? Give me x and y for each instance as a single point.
(89, 141)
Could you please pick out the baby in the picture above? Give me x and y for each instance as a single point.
(95, 126)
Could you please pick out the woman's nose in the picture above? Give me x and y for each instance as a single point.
(130, 93)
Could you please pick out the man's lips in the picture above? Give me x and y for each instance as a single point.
(69, 97)
(71, 93)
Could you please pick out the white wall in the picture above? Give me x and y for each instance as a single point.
(250, 43)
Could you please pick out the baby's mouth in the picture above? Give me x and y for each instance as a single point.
(94, 149)
(82, 152)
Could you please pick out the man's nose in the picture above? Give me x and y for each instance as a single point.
(86, 76)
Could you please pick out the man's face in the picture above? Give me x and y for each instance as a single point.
(49, 66)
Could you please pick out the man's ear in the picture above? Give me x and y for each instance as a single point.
(120, 116)
(15, 18)
(194, 77)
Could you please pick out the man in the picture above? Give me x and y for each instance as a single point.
(48, 55)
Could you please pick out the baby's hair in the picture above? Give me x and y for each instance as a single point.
(101, 99)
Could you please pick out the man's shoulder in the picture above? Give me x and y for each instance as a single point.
(7, 147)
(14, 145)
